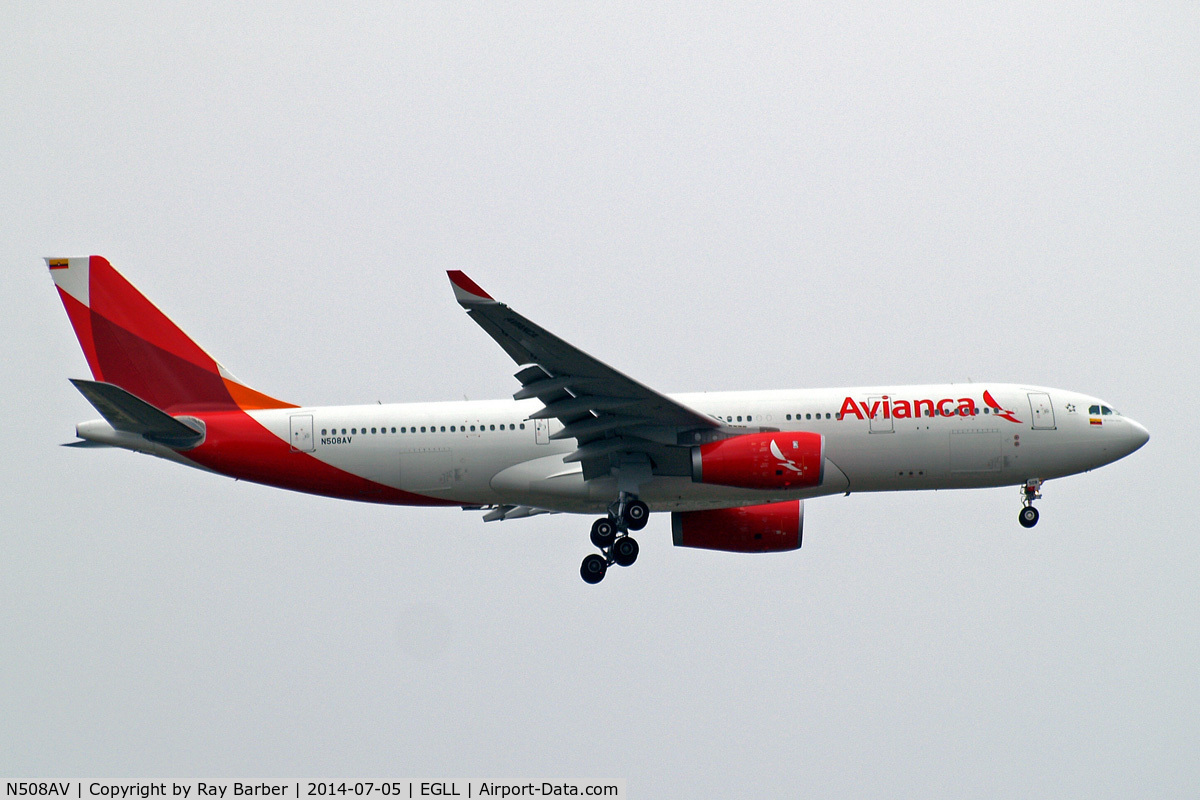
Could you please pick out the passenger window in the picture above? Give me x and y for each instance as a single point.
(739, 418)
(522, 426)
(393, 430)
(749, 418)
(422, 429)
(354, 430)
(789, 416)
(322, 431)
(372, 430)
(443, 429)
(828, 416)
(472, 427)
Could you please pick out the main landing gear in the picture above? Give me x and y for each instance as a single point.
(1032, 490)
(611, 535)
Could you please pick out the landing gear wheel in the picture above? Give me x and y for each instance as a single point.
(593, 568)
(637, 514)
(625, 551)
(603, 532)
(1029, 517)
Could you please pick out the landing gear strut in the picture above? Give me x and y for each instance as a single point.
(1032, 490)
(611, 535)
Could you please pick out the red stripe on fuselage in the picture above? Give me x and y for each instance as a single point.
(237, 445)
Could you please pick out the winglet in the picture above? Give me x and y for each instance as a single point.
(467, 291)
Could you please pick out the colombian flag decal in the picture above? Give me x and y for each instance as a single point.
(59, 263)
(1095, 421)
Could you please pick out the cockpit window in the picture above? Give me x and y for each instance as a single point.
(1105, 410)
(1094, 410)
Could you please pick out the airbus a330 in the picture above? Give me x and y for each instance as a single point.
(733, 469)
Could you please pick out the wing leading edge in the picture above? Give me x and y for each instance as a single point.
(614, 419)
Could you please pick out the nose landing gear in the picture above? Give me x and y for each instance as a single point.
(611, 535)
(1032, 490)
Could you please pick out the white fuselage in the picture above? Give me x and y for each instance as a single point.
(877, 439)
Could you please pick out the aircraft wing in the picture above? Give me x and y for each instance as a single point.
(605, 411)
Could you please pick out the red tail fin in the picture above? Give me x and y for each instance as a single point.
(130, 343)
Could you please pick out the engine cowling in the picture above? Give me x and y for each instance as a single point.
(779, 460)
(769, 528)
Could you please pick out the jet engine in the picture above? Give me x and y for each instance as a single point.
(784, 460)
(770, 528)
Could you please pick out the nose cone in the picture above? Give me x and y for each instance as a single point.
(1138, 435)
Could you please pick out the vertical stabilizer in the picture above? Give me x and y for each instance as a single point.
(128, 342)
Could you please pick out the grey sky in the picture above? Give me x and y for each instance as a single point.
(707, 199)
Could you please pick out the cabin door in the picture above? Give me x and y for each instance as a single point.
(879, 423)
(1042, 411)
(302, 434)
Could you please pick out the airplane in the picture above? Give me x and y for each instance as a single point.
(733, 469)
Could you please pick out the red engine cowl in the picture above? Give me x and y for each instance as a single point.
(751, 529)
(762, 461)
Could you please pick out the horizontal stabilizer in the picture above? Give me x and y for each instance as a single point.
(130, 414)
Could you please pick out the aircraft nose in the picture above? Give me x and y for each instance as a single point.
(1138, 435)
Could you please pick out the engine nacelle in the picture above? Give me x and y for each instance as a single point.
(770, 528)
(783, 460)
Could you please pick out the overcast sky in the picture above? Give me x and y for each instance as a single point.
(706, 198)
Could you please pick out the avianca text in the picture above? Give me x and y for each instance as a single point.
(907, 409)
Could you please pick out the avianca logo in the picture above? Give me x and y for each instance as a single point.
(908, 409)
(999, 412)
(784, 461)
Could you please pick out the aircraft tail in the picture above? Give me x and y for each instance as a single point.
(129, 343)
